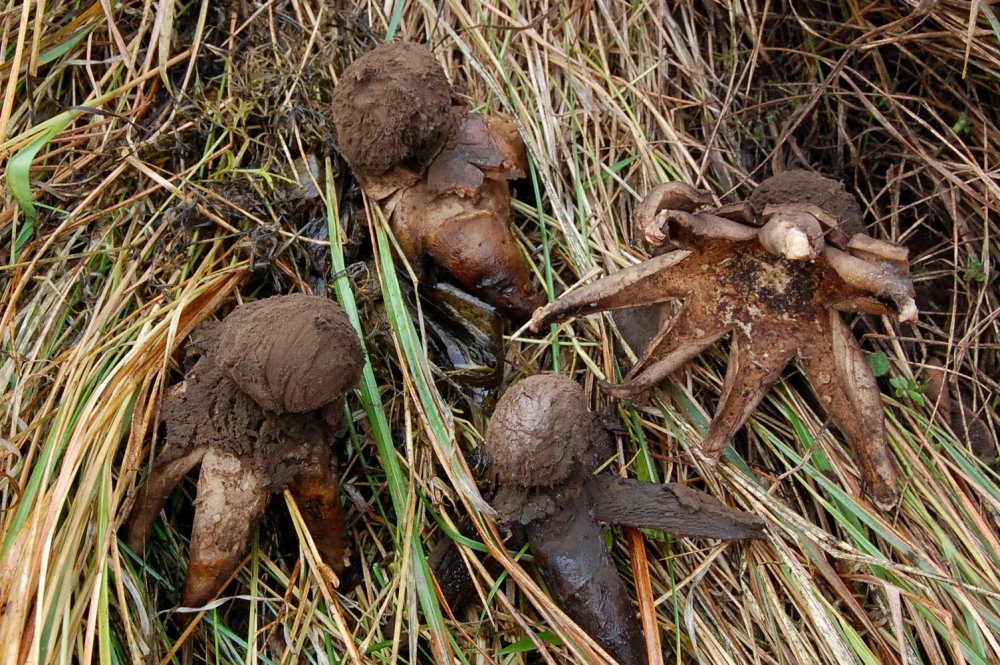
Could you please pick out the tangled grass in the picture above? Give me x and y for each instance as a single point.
(153, 157)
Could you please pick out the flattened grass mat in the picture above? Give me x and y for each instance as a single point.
(149, 153)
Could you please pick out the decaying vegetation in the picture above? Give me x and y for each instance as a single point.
(161, 161)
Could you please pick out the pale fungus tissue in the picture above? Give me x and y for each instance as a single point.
(438, 170)
(261, 403)
(774, 275)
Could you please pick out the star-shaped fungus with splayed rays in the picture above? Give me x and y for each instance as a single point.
(775, 280)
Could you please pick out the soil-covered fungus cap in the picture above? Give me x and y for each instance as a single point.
(801, 186)
(259, 410)
(292, 353)
(391, 107)
(544, 446)
(439, 171)
(541, 433)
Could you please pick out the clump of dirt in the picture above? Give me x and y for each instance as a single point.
(800, 186)
(311, 362)
(541, 433)
(391, 106)
(233, 420)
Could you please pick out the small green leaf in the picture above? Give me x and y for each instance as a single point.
(64, 48)
(879, 363)
(908, 388)
(527, 644)
(19, 177)
(961, 126)
(975, 271)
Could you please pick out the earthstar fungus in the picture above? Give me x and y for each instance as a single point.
(775, 275)
(543, 446)
(260, 406)
(439, 171)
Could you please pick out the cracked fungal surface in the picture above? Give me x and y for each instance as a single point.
(439, 171)
(543, 446)
(260, 405)
(774, 285)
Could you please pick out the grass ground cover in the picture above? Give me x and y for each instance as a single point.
(149, 154)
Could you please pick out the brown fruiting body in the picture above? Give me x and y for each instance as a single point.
(776, 309)
(258, 409)
(532, 414)
(452, 208)
(279, 351)
(801, 186)
(543, 447)
(390, 107)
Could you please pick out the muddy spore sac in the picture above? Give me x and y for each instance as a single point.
(260, 406)
(543, 446)
(801, 186)
(391, 106)
(541, 433)
(291, 354)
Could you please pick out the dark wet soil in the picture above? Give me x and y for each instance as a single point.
(391, 106)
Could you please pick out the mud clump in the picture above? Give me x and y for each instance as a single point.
(209, 409)
(391, 107)
(801, 186)
(260, 405)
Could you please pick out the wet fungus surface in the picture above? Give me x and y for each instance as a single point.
(798, 186)
(776, 283)
(260, 406)
(543, 446)
(439, 172)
